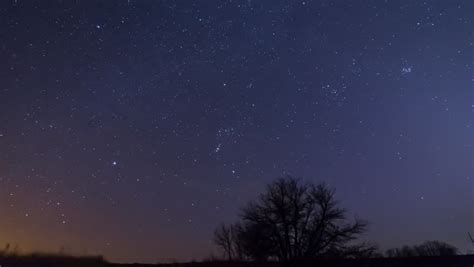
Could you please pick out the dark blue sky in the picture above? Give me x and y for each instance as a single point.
(133, 128)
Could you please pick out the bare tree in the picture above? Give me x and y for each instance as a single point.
(302, 221)
(435, 248)
(224, 239)
(358, 251)
(402, 252)
(428, 248)
(255, 242)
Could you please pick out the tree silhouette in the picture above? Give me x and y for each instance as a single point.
(428, 248)
(436, 248)
(292, 222)
(224, 238)
(254, 239)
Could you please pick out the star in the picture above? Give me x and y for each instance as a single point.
(407, 69)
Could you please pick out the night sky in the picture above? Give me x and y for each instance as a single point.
(133, 128)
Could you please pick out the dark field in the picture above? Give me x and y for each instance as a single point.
(66, 261)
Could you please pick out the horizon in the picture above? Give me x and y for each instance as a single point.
(132, 129)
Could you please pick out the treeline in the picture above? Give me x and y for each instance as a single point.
(11, 257)
(428, 248)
